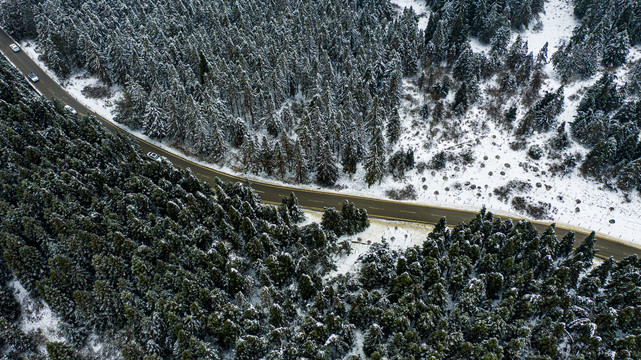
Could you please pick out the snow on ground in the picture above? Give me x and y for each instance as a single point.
(556, 24)
(76, 83)
(36, 316)
(575, 200)
(471, 187)
(357, 350)
(420, 8)
(399, 235)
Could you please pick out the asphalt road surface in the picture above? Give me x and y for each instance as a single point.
(310, 199)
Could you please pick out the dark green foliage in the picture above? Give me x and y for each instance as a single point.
(630, 176)
(137, 250)
(535, 152)
(169, 267)
(607, 121)
(542, 116)
(438, 161)
(607, 30)
(461, 100)
(616, 50)
(207, 93)
(510, 115)
(326, 170)
(61, 351)
(561, 140)
(492, 289)
(400, 162)
(15, 344)
(482, 18)
(349, 221)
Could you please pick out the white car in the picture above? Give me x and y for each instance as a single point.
(71, 110)
(33, 77)
(153, 156)
(14, 47)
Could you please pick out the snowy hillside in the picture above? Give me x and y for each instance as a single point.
(573, 199)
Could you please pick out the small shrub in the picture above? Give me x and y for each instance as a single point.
(535, 209)
(518, 145)
(406, 193)
(438, 161)
(535, 152)
(96, 91)
(503, 192)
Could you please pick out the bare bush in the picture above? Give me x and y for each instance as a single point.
(503, 192)
(406, 193)
(96, 91)
(535, 209)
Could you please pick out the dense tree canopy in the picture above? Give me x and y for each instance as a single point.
(161, 265)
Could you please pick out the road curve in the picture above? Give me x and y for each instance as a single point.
(310, 199)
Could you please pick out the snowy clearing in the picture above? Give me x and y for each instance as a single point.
(399, 235)
(36, 316)
(419, 7)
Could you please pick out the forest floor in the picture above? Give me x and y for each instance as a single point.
(571, 199)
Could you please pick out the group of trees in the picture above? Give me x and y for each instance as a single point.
(309, 92)
(495, 290)
(161, 265)
(142, 253)
(290, 85)
(299, 91)
(607, 30)
(607, 121)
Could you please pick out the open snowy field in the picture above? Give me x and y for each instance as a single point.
(573, 199)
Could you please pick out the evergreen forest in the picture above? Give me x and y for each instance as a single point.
(159, 265)
(310, 91)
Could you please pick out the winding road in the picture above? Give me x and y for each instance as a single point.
(310, 199)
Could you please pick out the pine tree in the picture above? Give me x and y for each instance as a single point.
(375, 163)
(326, 170)
(249, 159)
(203, 67)
(280, 161)
(350, 158)
(393, 127)
(266, 157)
(616, 50)
(300, 164)
(461, 101)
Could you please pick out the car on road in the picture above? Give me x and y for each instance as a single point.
(14, 47)
(71, 110)
(33, 77)
(153, 156)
